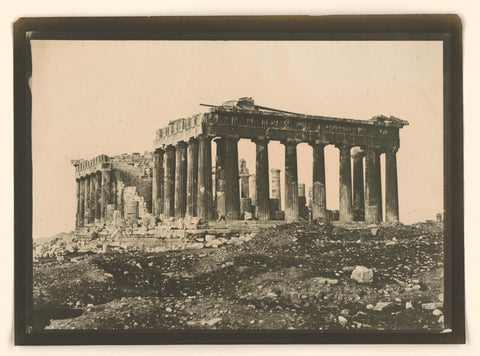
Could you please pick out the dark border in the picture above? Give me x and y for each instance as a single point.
(447, 28)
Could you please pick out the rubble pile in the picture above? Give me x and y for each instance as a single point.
(303, 276)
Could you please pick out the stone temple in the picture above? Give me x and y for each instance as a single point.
(179, 180)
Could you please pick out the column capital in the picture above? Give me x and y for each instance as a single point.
(192, 139)
(317, 143)
(232, 138)
(159, 151)
(290, 142)
(203, 137)
(343, 146)
(169, 148)
(390, 150)
(358, 152)
(260, 140)
(181, 144)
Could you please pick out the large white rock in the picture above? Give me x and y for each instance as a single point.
(362, 274)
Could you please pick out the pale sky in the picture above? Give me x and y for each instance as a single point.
(109, 97)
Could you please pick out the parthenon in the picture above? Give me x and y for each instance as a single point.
(182, 183)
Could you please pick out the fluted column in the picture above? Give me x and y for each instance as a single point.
(98, 187)
(263, 181)
(291, 180)
(158, 182)
(232, 179)
(77, 213)
(319, 200)
(192, 177)
(106, 196)
(378, 174)
(345, 199)
(204, 191)
(220, 162)
(372, 186)
(180, 179)
(358, 203)
(169, 187)
(91, 217)
(391, 186)
(87, 201)
(81, 215)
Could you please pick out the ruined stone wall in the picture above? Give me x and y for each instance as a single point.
(133, 174)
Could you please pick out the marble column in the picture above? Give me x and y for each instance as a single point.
(87, 201)
(81, 216)
(378, 174)
(106, 196)
(220, 162)
(180, 179)
(91, 218)
(98, 189)
(291, 180)
(391, 186)
(263, 180)
(358, 203)
(372, 187)
(276, 192)
(192, 177)
(77, 214)
(158, 182)
(345, 191)
(204, 191)
(169, 187)
(319, 200)
(232, 179)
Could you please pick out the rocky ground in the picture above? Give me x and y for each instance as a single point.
(293, 276)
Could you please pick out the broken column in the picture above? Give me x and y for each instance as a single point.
(245, 201)
(253, 189)
(232, 191)
(391, 186)
(180, 179)
(262, 179)
(276, 193)
(291, 180)
(205, 193)
(220, 178)
(192, 177)
(358, 203)
(372, 186)
(158, 182)
(345, 191)
(302, 201)
(319, 201)
(169, 187)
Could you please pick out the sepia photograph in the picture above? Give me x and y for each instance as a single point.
(248, 185)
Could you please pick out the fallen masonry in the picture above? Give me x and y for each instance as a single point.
(287, 276)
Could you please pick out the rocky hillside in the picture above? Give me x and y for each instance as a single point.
(304, 276)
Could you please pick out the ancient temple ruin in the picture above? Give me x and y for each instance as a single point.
(179, 181)
(182, 184)
(112, 187)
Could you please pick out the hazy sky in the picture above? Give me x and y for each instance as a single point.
(106, 97)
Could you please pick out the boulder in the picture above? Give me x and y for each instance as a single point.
(432, 306)
(362, 274)
(342, 321)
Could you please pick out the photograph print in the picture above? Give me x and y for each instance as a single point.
(294, 186)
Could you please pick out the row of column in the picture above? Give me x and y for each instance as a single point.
(183, 181)
(365, 203)
(94, 192)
